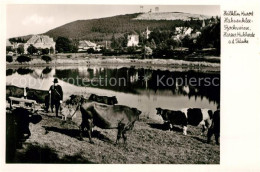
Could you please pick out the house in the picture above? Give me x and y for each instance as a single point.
(85, 45)
(183, 30)
(132, 40)
(40, 42)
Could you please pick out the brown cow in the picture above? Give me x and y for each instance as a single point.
(107, 117)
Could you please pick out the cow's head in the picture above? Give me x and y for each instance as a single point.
(92, 97)
(137, 112)
(114, 100)
(159, 111)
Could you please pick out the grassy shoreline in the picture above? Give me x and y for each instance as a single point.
(123, 61)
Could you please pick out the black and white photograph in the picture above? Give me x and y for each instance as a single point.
(113, 84)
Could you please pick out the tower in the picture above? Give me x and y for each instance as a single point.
(141, 9)
(156, 9)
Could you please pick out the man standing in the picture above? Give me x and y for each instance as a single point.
(56, 96)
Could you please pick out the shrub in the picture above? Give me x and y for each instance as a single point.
(9, 59)
(47, 59)
(69, 56)
(90, 50)
(22, 59)
(45, 51)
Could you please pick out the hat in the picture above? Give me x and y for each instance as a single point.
(55, 80)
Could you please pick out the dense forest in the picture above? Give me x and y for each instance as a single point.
(103, 29)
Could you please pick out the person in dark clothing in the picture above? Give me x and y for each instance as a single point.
(56, 96)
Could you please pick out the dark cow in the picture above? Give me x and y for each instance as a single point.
(17, 130)
(184, 117)
(107, 117)
(103, 99)
(38, 95)
(215, 127)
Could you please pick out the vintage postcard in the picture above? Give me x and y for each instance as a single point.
(131, 84)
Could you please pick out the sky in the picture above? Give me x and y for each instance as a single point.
(28, 19)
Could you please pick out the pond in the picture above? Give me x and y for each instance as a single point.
(143, 88)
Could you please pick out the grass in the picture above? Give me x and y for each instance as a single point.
(56, 141)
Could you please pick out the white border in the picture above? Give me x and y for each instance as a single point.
(240, 98)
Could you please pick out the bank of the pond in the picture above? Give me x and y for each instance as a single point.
(124, 62)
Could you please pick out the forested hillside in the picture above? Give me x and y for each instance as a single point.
(99, 30)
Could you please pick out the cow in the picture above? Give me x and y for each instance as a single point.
(38, 95)
(187, 116)
(17, 130)
(215, 127)
(118, 117)
(103, 99)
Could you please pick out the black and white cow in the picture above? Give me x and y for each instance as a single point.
(215, 127)
(187, 116)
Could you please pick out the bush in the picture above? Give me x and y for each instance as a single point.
(45, 51)
(47, 59)
(90, 50)
(69, 56)
(21, 59)
(9, 59)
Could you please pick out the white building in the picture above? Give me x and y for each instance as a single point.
(85, 45)
(133, 40)
(40, 42)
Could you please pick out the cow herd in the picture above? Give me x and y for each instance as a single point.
(103, 112)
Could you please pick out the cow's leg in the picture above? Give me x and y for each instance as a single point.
(81, 130)
(203, 130)
(90, 127)
(217, 138)
(124, 136)
(47, 97)
(185, 129)
(171, 126)
(119, 132)
(209, 135)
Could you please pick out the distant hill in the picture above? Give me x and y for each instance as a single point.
(100, 30)
(171, 16)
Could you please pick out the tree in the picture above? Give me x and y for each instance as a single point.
(45, 51)
(31, 49)
(51, 50)
(90, 50)
(9, 48)
(22, 59)
(20, 49)
(9, 59)
(153, 44)
(63, 44)
(47, 59)
(148, 51)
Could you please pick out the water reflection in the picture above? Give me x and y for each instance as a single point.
(141, 89)
(137, 80)
(24, 71)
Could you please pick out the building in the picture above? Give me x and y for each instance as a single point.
(132, 40)
(40, 42)
(85, 45)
